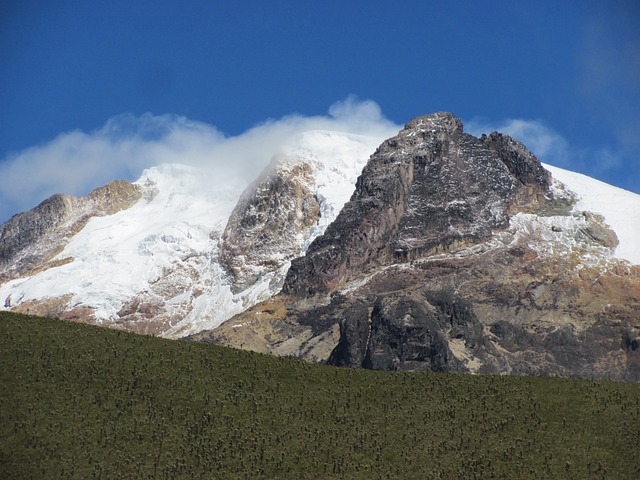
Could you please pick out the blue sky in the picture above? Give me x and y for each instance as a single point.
(89, 90)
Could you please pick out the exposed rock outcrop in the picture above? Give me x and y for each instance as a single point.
(271, 221)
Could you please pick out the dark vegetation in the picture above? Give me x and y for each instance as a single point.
(83, 402)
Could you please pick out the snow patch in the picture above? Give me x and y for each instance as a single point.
(620, 208)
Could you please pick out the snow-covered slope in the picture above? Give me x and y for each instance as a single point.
(620, 208)
(164, 250)
(117, 256)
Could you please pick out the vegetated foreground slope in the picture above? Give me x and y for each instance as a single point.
(83, 402)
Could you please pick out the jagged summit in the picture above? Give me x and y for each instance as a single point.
(430, 188)
(455, 253)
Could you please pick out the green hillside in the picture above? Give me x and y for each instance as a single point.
(83, 402)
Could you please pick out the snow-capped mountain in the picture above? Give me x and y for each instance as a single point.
(432, 249)
(155, 267)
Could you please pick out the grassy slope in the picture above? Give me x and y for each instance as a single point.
(82, 402)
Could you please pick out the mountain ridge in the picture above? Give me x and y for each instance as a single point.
(487, 257)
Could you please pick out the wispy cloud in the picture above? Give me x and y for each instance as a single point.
(76, 162)
(543, 141)
(549, 146)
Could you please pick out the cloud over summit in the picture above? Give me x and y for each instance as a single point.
(76, 162)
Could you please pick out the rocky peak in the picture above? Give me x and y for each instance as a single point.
(520, 161)
(443, 122)
(430, 188)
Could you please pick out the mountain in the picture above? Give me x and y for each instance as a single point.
(193, 247)
(442, 251)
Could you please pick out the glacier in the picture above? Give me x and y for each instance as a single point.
(176, 227)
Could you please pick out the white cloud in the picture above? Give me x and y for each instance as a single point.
(76, 162)
(360, 116)
(544, 142)
(549, 146)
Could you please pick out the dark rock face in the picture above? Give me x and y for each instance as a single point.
(428, 189)
(487, 328)
(522, 164)
(407, 332)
